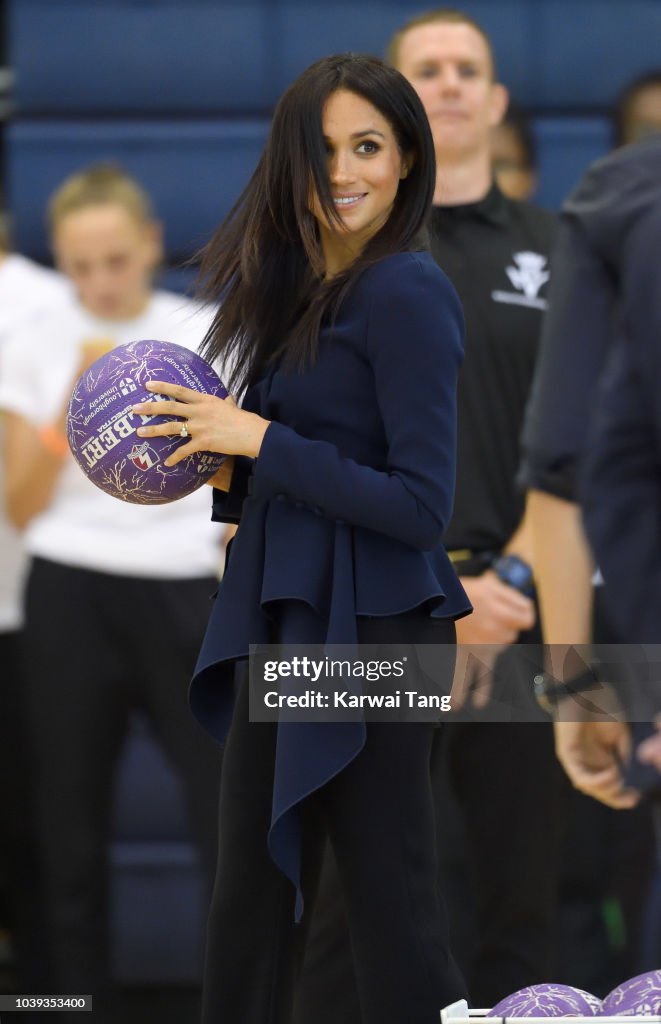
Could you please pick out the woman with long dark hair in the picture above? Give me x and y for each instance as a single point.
(348, 339)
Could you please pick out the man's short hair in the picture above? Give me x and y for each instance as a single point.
(443, 15)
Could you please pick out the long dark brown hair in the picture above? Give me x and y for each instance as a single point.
(264, 264)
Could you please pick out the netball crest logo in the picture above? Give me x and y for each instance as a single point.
(143, 457)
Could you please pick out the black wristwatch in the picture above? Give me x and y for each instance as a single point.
(548, 691)
(515, 572)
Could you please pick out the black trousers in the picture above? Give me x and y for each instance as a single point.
(378, 815)
(98, 646)
(502, 897)
(502, 781)
(498, 792)
(21, 902)
(508, 790)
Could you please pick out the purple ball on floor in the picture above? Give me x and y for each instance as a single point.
(548, 1000)
(637, 997)
(101, 428)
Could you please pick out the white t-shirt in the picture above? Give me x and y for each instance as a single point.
(83, 526)
(25, 288)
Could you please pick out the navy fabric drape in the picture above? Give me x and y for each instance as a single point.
(343, 511)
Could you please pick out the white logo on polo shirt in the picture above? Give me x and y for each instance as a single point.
(528, 276)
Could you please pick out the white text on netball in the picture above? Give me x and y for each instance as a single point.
(108, 438)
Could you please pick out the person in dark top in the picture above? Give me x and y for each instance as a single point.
(603, 327)
(591, 300)
(585, 319)
(495, 251)
(615, 193)
(350, 340)
(621, 487)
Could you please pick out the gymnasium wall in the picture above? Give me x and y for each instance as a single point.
(180, 91)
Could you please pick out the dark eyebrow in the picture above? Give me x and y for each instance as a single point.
(360, 135)
(368, 131)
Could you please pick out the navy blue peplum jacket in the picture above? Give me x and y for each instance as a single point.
(344, 509)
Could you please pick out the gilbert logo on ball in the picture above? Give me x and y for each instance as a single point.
(102, 429)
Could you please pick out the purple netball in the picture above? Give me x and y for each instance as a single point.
(548, 1000)
(637, 997)
(101, 428)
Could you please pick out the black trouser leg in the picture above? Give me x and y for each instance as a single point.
(99, 645)
(327, 991)
(379, 815)
(252, 939)
(509, 787)
(77, 718)
(381, 824)
(20, 882)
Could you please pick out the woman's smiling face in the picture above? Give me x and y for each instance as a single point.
(365, 167)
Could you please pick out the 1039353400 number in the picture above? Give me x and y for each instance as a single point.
(60, 1002)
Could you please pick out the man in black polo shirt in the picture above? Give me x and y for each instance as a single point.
(495, 251)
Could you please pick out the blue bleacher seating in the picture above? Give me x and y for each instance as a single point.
(158, 899)
(309, 30)
(590, 49)
(181, 279)
(145, 57)
(138, 57)
(566, 147)
(193, 170)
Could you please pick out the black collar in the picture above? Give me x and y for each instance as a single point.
(494, 208)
